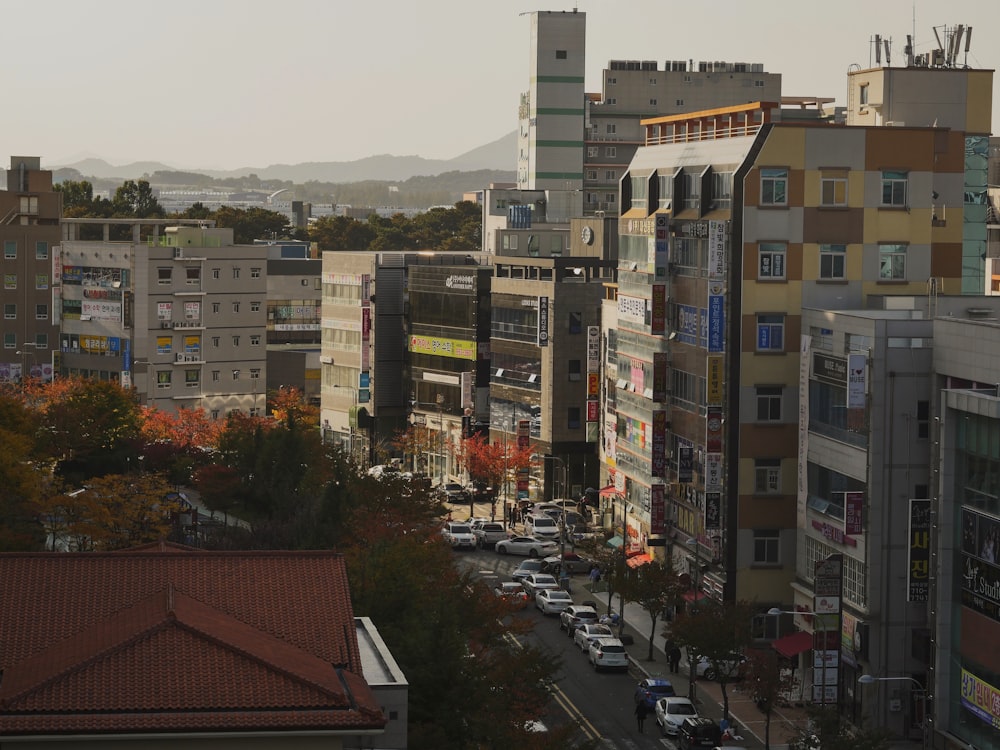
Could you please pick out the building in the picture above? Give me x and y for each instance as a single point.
(29, 230)
(180, 316)
(166, 645)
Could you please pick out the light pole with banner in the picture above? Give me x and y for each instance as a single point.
(918, 689)
(821, 622)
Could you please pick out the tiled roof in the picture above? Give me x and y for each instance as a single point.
(170, 639)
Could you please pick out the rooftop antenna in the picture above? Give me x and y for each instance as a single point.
(968, 41)
(888, 58)
(878, 50)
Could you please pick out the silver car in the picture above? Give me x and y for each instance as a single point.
(608, 653)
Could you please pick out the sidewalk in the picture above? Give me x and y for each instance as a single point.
(746, 718)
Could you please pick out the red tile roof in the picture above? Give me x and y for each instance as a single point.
(171, 639)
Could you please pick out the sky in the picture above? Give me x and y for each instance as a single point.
(221, 84)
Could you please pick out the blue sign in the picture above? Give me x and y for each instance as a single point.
(687, 324)
(763, 337)
(716, 323)
(364, 380)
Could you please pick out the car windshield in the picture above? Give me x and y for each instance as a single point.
(542, 522)
(683, 709)
(461, 530)
(530, 565)
(664, 689)
(545, 579)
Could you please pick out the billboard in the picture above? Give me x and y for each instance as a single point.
(543, 321)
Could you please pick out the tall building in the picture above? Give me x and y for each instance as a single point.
(29, 230)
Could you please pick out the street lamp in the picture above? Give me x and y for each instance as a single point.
(439, 400)
(562, 521)
(867, 679)
(821, 620)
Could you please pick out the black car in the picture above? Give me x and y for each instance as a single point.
(698, 732)
(453, 492)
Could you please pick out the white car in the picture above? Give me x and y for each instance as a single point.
(585, 634)
(579, 614)
(608, 653)
(671, 712)
(552, 601)
(526, 545)
(526, 568)
(538, 581)
(732, 668)
(459, 535)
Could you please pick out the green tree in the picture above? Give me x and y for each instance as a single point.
(77, 197)
(22, 476)
(765, 682)
(341, 233)
(829, 730)
(656, 587)
(135, 198)
(249, 224)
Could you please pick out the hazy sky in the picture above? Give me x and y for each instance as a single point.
(219, 84)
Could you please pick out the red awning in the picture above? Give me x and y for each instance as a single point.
(690, 596)
(608, 491)
(791, 645)
(638, 560)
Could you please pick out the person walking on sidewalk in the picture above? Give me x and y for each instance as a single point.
(640, 714)
(674, 655)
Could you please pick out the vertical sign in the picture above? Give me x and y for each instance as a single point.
(713, 510)
(684, 469)
(917, 577)
(593, 348)
(660, 374)
(714, 379)
(658, 467)
(661, 245)
(657, 510)
(658, 310)
(713, 431)
(716, 321)
(366, 332)
(805, 343)
(716, 250)
(857, 390)
(543, 321)
(853, 521)
(828, 586)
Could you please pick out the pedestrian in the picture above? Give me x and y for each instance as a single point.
(641, 709)
(675, 659)
(595, 575)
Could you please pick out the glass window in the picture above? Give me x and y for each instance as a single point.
(236, 340)
(639, 186)
(574, 368)
(576, 322)
(10, 249)
(236, 272)
(192, 378)
(591, 174)
(770, 333)
(593, 151)
(722, 189)
(10, 281)
(767, 476)
(255, 306)
(863, 94)
(41, 281)
(611, 151)
(215, 341)
(774, 187)
(9, 311)
(573, 418)
(216, 307)
(766, 544)
(768, 403)
(41, 312)
(833, 191)
(41, 250)
(771, 260)
(255, 339)
(192, 275)
(665, 184)
(892, 262)
(215, 376)
(216, 273)
(894, 188)
(832, 261)
(164, 275)
(10, 341)
(163, 378)
(236, 307)
(610, 126)
(254, 273)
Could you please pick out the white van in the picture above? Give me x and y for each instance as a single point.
(541, 526)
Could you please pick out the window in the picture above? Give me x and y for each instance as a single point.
(236, 374)
(612, 81)
(573, 418)
(216, 273)
(255, 373)
(236, 340)
(236, 272)
(10, 281)
(255, 306)
(573, 366)
(593, 151)
(769, 403)
(611, 151)
(216, 307)
(41, 312)
(690, 190)
(609, 174)
(611, 100)
(163, 276)
(770, 333)
(41, 250)
(215, 376)
(560, 54)
(767, 476)
(10, 341)
(591, 174)
(576, 322)
(892, 262)
(236, 307)
(9, 311)
(254, 273)
(255, 339)
(766, 543)
(652, 102)
(9, 249)
(610, 127)
(215, 342)
(41, 341)
(192, 378)
(774, 187)
(863, 94)
(639, 191)
(894, 188)
(41, 281)
(192, 275)
(652, 81)
(722, 189)
(832, 259)
(665, 183)
(163, 378)
(923, 422)
(833, 191)
(679, 103)
(215, 415)
(510, 242)
(771, 260)
(758, 83)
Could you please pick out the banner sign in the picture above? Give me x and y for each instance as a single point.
(632, 309)
(713, 510)
(684, 464)
(453, 348)
(713, 471)
(857, 390)
(593, 411)
(660, 377)
(918, 578)
(715, 379)
(657, 510)
(853, 504)
(716, 250)
(593, 348)
(658, 310)
(661, 245)
(981, 699)
(716, 323)
(827, 604)
(658, 464)
(543, 321)
(713, 431)
(980, 574)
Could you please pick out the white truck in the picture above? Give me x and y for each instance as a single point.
(489, 533)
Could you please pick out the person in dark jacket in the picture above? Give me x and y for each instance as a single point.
(640, 714)
(675, 659)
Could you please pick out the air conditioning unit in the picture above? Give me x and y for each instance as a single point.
(178, 252)
(164, 324)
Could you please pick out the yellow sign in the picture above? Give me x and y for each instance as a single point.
(455, 348)
(716, 379)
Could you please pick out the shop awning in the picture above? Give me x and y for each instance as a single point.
(794, 644)
(615, 541)
(639, 560)
(690, 596)
(608, 491)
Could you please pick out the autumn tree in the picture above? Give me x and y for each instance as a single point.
(22, 476)
(765, 682)
(718, 632)
(655, 586)
(491, 463)
(415, 442)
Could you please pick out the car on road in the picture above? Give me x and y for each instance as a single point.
(576, 615)
(552, 601)
(698, 731)
(526, 545)
(459, 535)
(608, 653)
(671, 712)
(535, 582)
(453, 492)
(512, 592)
(652, 689)
(584, 634)
(488, 533)
(541, 526)
(574, 564)
(526, 568)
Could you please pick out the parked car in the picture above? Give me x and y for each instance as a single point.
(576, 615)
(732, 668)
(526, 545)
(541, 526)
(608, 653)
(535, 582)
(526, 568)
(652, 689)
(584, 634)
(512, 592)
(671, 712)
(552, 601)
(488, 533)
(698, 731)
(459, 535)
(574, 564)
(453, 492)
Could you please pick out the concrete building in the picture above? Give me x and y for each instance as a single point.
(29, 230)
(180, 317)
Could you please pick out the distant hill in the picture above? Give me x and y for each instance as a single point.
(500, 155)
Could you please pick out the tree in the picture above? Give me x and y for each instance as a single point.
(491, 464)
(415, 442)
(21, 476)
(136, 199)
(341, 233)
(765, 682)
(655, 586)
(251, 223)
(719, 632)
(829, 730)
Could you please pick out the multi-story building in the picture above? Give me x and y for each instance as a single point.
(180, 317)
(29, 230)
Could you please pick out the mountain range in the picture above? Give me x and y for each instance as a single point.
(500, 155)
